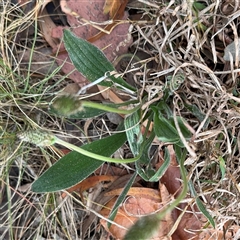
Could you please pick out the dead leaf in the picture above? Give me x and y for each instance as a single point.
(42, 62)
(115, 8)
(90, 182)
(47, 25)
(102, 200)
(140, 202)
(147, 193)
(214, 234)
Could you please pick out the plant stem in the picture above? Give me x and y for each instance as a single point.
(94, 155)
(107, 108)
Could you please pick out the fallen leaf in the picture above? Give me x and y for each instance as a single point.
(102, 200)
(41, 61)
(115, 8)
(147, 193)
(47, 25)
(214, 234)
(140, 202)
(88, 183)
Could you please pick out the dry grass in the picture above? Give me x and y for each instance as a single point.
(171, 39)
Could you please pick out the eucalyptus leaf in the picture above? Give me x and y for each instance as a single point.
(75, 167)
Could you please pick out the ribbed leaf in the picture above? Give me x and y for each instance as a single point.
(166, 131)
(75, 167)
(133, 131)
(90, 61)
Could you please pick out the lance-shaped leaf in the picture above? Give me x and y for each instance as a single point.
(166, 131)
(75, 167)
(91, 61)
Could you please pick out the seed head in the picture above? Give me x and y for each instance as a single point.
(39, 138)
(66, 105)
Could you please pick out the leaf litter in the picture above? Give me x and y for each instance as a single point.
(173, 37)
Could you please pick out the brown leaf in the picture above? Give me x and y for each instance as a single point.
(115, 8)
(90, 182)
(102, 200)
(47, 25)
(214, 234)
(147, 193)
(142, 202)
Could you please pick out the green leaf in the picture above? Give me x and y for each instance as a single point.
(146, 171)
(160, 172)
(198, 114)
(185, 132)
(143, 165)
(133, 131)
(200, 205)
(144, 228)
(75, 167)
(198, 6)
(90, 61)
(222, 166)
(180, 153)
(164, 129)
(121, 198)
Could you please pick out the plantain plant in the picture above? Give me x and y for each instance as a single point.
(83, 161)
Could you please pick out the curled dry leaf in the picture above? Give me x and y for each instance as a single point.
(140, 202)
(101, 200)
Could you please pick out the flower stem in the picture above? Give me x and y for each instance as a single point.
(107, 108)
(94, 155)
